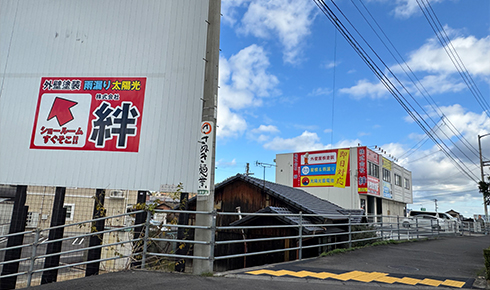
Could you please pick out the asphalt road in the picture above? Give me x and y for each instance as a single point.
(459, 258)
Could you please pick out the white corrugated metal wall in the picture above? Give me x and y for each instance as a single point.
(163, 41)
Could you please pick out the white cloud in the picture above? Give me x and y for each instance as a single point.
(442, 83)
(228, 10)
(229, 124)
(320, 92)
(366, 89)
(244, 81)
(262, 133)
(306, 141)
(223, 163)
(265, 129)
(442, 75)
(289, 20)
(432, 58)
(408, 8)
(433, 174)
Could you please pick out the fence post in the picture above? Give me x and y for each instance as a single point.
(213, 236)
(57, 219)
(300, 256)
(17, 225)
(139, 219)
(145, 240)
(417, 227)
(350, 231)
(382, 232)
(33, 256)
(96, 239)
(398, 226)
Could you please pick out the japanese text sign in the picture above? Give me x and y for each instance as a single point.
(327, 168)
(205, 158)
(93, 114)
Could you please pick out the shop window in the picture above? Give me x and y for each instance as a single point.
(398, 180)
(386, 175)
(373, 169)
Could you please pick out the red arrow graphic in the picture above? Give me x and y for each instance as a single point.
(61, 110)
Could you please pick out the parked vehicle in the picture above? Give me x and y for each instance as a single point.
(424, 221)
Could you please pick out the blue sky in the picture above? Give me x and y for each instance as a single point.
(289, 82)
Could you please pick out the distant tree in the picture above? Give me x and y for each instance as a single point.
(484, 188)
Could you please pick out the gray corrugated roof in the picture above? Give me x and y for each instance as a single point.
(292, 220)
(298, 198)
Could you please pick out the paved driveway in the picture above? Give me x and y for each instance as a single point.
(413, 265)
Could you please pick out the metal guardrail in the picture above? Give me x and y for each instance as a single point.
(142, 251)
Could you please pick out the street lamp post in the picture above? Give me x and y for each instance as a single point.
(483, 163)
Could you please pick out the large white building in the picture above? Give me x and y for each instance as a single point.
(356, 177)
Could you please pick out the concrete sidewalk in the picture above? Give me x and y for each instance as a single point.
(458, 258)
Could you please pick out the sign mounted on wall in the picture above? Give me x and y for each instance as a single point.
(205, 160)
(326, 168)
(102, 114)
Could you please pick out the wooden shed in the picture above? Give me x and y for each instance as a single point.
(247, 194)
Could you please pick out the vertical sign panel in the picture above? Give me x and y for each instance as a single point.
(205, 161)
(362, 172)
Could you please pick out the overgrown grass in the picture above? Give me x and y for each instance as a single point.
(378, 243)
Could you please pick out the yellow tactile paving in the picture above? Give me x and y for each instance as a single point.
(302, 274)
(453, 283)
(349, 275)
(362, 277)
(369, 277)
(409, 281)
(389, 280)
(430, 282)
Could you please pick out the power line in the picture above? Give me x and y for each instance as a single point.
(446, 43)
(419, 86)
(389, 84)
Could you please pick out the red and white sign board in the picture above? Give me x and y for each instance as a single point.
(102, 114)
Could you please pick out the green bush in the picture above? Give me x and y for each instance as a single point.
(486, 255)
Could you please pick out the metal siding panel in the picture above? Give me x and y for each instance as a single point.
(163, 41)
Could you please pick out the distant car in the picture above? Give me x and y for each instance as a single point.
(424, 221)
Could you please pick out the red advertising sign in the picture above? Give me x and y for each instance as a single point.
(101, 114)
(366, 184)
(362, 182)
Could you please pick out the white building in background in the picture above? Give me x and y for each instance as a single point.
(356, 177)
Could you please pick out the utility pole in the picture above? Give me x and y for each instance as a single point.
(435, 201)
(205, 202)
(483, 163)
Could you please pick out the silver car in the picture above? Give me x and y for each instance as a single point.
(424, 221)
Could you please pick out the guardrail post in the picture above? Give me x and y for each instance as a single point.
(350, 231)
(417, 227)
(300, 256)
(35, 243)
(398, 226)
(382, 232)
(213, 236)
(145, 240)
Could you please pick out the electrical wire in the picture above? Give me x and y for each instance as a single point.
(418, 85)
(446, 43)
(389, 84)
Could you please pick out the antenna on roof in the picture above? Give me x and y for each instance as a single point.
(265, 165)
